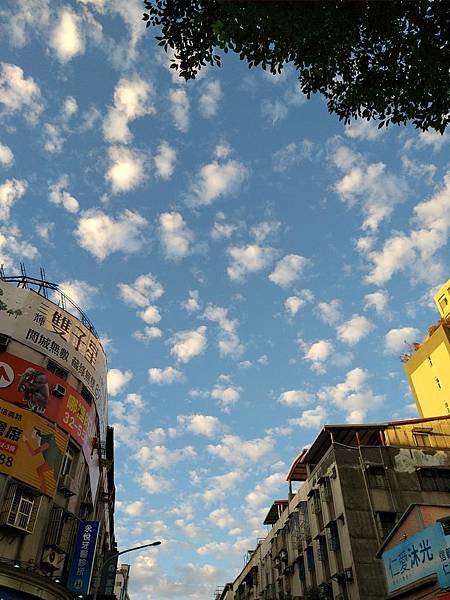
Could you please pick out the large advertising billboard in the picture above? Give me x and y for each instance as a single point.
(82, 560)
(39, 323)
(33, 388)
(31, 449)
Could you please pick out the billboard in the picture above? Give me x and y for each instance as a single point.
(31, 449)
(82, 559)
(425, 553)
(39, 323)
(32, 387)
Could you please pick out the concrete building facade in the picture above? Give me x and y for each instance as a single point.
(356, 482)
(56, 450)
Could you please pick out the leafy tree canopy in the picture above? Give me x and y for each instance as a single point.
(388, 61)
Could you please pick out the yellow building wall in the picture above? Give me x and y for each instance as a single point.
(410, 434)
(442, 300)
(428, 372)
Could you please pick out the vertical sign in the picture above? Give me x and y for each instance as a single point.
(83, 556)
(108, 578)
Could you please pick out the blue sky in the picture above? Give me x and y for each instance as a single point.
(254, 266)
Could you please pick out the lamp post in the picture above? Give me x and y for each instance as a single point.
(114, 556)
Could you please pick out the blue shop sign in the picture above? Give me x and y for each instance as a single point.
(423, 554)
(83, 556)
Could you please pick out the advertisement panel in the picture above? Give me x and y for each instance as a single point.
(82, 560)
(425, 553)
(108, 578)
(39, 323)
(31, 449)
(33, 388)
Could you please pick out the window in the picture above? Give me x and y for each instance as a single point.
(386, 521)
(322, 553)
(443, 302)
(430, 361)
(301, 568)
(61, 529)
(69, 461)
(86, 394)
(20, 509)
(310, 558)
(434, 480)
(377, 476)
(57, 370)
(438, 383)
(421, 438)
(333, 536)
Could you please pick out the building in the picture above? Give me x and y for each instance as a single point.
(416, 554)
(56, 449)
(427, 365)
(121, 583)
(355, 483)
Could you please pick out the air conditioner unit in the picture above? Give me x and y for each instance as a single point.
(66, 486)
(51, 559)
(4, 341)
(59, 391)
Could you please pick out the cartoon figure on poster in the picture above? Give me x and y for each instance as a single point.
(52, 455)
(34, 386)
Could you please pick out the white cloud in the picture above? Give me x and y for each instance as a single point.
(81, 292)
(126, 169)
(10, 191)
(292, 154)
(354, 330)
(144, 290)
(150, 315)
(317, 353)
(287, 270)
(378, 301)
(312, 418)
(186, 345)
(377, 190)
(432, 138)
(221, 518)
(293, 304)
(117, 380)
(176, 237)
(53, 138)
(248, 259)
(353, 395)
(329, 312)
(274, 110)
(192, 304)
(66, 38)
(210, 98)
(201, 424)
(222, 230)
(134, 509)
(132, 99)
(161, 457)
(59, 196)
(149, 333)
(165, 160)
(219, 484)
(415, 251)
(19, 93)
(295, 398)
(153, 484)
(234, 450)
(101, 235)
(397, 340)
(225, 395)
(164, 376)
(263, 492)
(215, 180)
(361, 129)
(6, 156)
(180, 108)
(261, 231)
(228, 343)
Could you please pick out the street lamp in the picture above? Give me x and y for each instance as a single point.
(114, 556)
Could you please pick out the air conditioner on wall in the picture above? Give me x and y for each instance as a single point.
(51, 559)
(59, 391)
(66, 486)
